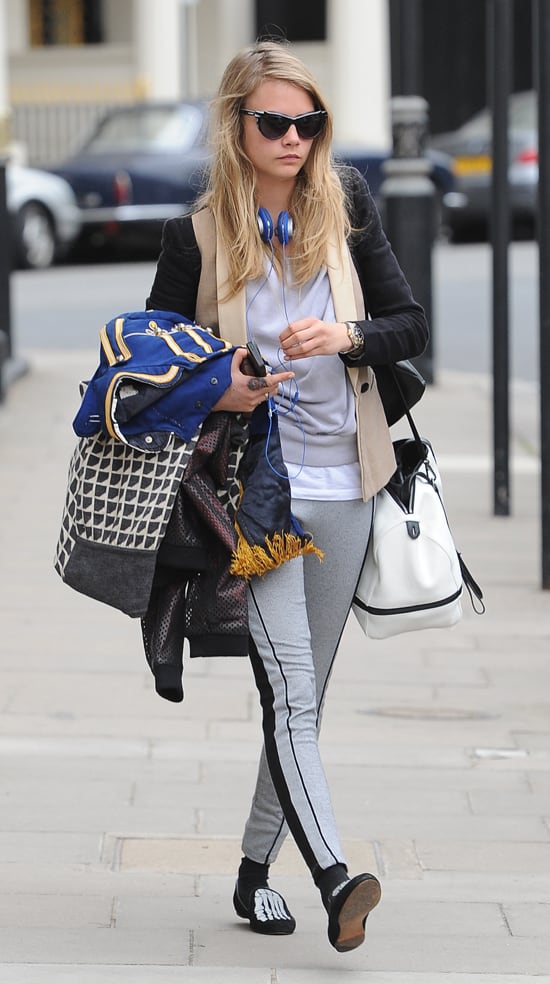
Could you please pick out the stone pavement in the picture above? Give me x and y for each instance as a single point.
(121, 814)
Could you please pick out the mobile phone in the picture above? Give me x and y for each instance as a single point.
(256, 360)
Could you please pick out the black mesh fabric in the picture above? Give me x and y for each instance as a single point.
(193, 594)
(163, 631)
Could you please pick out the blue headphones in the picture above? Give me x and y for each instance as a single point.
(284, 230)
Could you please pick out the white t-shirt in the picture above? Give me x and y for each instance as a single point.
(318, 429)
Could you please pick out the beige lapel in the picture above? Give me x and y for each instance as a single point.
(228, 317)
(344, 283)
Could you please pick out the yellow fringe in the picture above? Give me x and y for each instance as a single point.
(248, 560)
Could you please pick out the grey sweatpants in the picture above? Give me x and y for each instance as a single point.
(297, 614)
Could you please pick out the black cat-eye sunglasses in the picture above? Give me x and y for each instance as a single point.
(273, 126)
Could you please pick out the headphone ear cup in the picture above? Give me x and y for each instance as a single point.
(285, 228)
(265, 225)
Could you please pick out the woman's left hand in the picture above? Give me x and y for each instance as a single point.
(310, 336)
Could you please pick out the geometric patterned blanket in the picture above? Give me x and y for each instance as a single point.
(117, 507)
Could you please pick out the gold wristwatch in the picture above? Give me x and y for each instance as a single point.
(356, 336)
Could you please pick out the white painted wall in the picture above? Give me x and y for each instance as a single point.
(360, 62)
(158, 42)
(17, 23)
(223, 28)
(118, 21)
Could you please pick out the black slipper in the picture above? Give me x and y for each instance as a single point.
(349, 907)
(267, 911)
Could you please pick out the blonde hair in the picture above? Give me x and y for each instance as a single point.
(317, 205)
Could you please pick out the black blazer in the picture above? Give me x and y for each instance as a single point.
(396, 326)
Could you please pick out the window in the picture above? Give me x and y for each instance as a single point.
(65, 22)
(147, 128)
(296, 20)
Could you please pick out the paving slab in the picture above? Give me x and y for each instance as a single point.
(58, 974)
(52, 974)
(483, 857)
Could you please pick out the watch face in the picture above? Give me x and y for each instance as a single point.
(355, 335)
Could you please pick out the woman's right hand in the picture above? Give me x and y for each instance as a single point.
(247, 392)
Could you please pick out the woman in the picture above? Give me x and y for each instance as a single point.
(291, 249)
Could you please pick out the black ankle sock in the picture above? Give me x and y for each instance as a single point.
(329, 879)
(251, 875)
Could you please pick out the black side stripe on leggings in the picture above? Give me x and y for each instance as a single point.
(267, 699)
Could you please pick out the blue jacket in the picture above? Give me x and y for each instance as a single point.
(134, 395)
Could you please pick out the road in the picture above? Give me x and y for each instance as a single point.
(463, 308)
(67, 305)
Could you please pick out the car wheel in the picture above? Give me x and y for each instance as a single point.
(35, 244)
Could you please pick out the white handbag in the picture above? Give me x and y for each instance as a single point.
(413, 576)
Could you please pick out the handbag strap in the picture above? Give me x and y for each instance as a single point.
(418, 440)
(472, 586)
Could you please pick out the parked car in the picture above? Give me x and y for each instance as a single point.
(145, 163)
(467, 209)
(44, 216)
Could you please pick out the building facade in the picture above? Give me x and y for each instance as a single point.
(64, 62)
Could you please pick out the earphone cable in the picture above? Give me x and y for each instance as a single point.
(271, 411)
(264, 282)
(293, 392)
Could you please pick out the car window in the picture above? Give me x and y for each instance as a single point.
(523, 116)
(523, 111)
(478, 125)
(150, 128)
